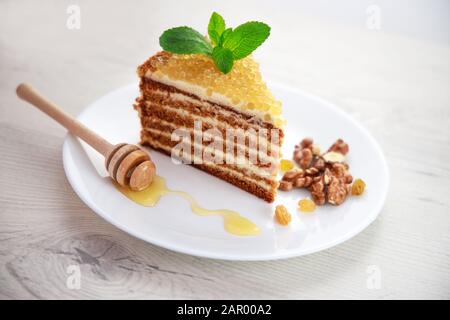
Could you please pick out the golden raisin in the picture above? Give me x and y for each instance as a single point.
(358, 187)
(282, 216)
(286, 165)
(306, 205)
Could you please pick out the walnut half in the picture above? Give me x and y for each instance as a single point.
(326, 176)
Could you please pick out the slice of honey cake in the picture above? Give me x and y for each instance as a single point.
(222, 120)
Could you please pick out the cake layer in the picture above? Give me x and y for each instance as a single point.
(158, 92)
(184, 108)
(181, 118)
(258, 158)
(249, 185)
(249, 170)
(242, 89)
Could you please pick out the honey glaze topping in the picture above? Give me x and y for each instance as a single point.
(243, 85)
(234, 223)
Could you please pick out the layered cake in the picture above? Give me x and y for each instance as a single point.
(238, 118)
(177, 90)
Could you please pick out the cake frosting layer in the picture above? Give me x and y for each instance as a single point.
(265, 172)
(255, 187)
(242, 89)
(257, 175)
(237, 154)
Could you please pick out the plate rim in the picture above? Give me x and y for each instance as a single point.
(231, 257)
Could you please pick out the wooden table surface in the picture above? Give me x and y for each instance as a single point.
(397, 87)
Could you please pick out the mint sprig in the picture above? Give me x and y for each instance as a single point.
(216, 27)
(184, 40)
(224, 35)
(246, 38)
(223, 58)
(226, 45)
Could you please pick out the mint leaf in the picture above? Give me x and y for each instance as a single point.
(224, 35)
(246, 38)
(226, 46)
(223, 58)
(184, 40)
(215, 27)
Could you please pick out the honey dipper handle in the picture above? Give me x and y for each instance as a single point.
(29, 94)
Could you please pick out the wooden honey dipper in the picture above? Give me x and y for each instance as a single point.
(126, 164)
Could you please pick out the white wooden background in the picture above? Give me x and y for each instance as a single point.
(398, 87)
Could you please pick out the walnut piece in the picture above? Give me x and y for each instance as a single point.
(337, 191)
(285, 185)
(339, 146)
(303, 157)
(306, 143)
(318, 191)
(282, 216)
(316, 150)
(293, 174)
(326, 176)
(333, 156)
(302, 182)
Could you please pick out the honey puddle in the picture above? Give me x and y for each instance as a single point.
(234, 223)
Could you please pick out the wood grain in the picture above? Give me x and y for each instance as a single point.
(395, 86)
(31, 95)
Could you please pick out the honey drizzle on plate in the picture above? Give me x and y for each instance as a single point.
(234, 223)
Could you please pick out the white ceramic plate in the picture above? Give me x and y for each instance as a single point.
(171, 224)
